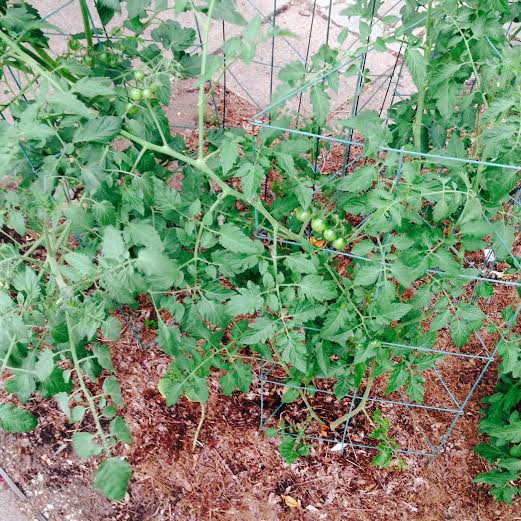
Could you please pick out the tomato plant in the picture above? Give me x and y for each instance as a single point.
(88, 226)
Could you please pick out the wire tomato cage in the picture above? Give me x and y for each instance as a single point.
(428, 425)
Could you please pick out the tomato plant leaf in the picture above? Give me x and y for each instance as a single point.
(112, 478)
(13, 419)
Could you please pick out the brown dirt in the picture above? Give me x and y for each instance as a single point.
(236, 472)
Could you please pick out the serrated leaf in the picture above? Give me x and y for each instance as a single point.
(460, 332)
(101, 130)
(84, 445)
(170, 390)
(173, 36)
(397, 379)
(45, 364)
(304, 192)
(416, 388)
(111, 328)
(120, 430)
(367, 274)
(13, 419)
(16, 222)
(112, 478)
(161, 271)
(68, 103)
(440, 211)
(112, 388)
(259, 331)
(229, 153)
(316, 287)
(417, 65)
(287, 450)
(300, 263)
(246, 301)
(113, 245)
(320, 103)
(358, 181)
(80, 263)
(232, 238)
(252, 177)
(92, 87)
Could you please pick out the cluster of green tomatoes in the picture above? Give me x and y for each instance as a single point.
(328, 229)
(142, 91)
(91, 57)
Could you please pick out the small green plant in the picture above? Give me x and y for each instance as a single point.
(502, 424)
(293, 444)
(387, 446)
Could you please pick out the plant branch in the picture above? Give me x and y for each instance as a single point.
(199, 426)
(423, 88)
(359, 408)
(202, 81)
(200, 164)
(86, 24)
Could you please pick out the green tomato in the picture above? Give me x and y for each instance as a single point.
(74, 45)
(302, 215)
(130, 108)
(135, 94)
(339, 243)
(147, 94)
(139, 75)
(89, 60)
(375, 344)
(318, 225)
(329, 234)
(155, 87)
(104, 57)
(515, 451)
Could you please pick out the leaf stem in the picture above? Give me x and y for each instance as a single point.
(359, 408)
(65, 291)
(199, 426)
(86, 24)
(202, 80)
(421, 94)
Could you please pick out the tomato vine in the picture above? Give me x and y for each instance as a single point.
(88, 224)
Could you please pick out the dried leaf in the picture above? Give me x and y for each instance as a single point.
(291, 502)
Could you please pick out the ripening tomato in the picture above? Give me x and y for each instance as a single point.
(319, 243)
